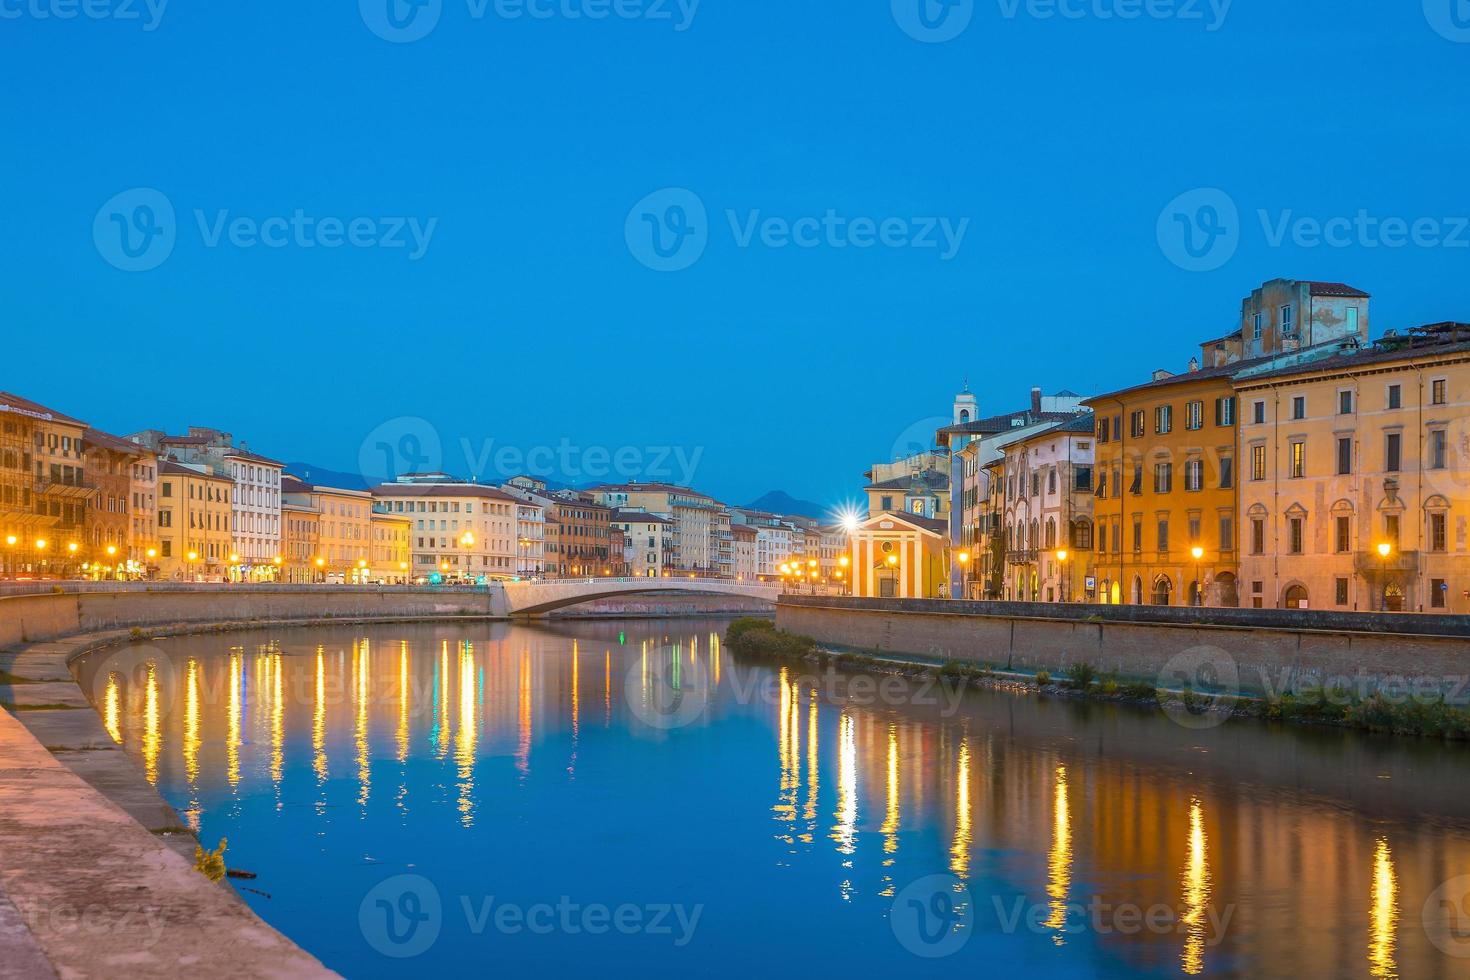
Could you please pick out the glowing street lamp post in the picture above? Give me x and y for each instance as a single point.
(1062, 562)
(1384, 550)
(964, 559)
(1199, 586)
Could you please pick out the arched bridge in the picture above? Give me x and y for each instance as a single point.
(538, 598)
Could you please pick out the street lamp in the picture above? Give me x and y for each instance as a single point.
(321, 564)
(1199, 587)
(964, 559)
(1384, 550)
(1062, 578)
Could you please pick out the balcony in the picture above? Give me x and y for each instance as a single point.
(61, 490)
(1372, 563)
(1024, 556)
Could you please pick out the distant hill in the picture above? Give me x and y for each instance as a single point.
(781, 502)
(322, 476)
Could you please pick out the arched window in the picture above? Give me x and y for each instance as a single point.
(1051, 533)
(1035, 534)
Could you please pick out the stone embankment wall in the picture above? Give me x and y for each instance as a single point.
(29, 618)
(1267, 651)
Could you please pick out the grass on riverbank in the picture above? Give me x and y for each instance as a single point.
(1421, 717)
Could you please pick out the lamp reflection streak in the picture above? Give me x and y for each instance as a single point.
(1383, 939)
(232, 738)
(466, 737)
(152, 735)
(1059, 860)
(1196, 893)
(959, 852)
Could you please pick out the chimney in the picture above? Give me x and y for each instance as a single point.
(1035, 401)
(1193, 364)
(1161, 375)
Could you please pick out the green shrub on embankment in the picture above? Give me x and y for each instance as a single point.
(760, 638)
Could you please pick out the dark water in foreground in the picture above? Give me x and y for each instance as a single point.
(626, 798)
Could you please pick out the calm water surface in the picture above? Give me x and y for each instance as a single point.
(628, 797)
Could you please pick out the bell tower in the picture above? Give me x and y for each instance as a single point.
(966, 409)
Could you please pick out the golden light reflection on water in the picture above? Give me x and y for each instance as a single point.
(232, 738)
(152, 735)
(360, 698)
(1196, 897)
(1384, 913)
(467, 737)
(813, 775)
(1059, 860)
(959, 851)
(111, 709)
(788, 756)
(278, 723)
(405, 702)
(930, 787)
(319, 721)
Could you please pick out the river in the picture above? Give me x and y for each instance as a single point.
(628, 797)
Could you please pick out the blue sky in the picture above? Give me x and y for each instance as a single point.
(518, 147)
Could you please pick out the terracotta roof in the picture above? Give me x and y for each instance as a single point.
(649, 488)
(24, 406)
(292, 484)
(637, 517)
(167, 467)
(1335, 289)
(928, 479)
(927, 523)
(96, 437)
(1362, 358)
(442, 490)
(1187, 377)
(996, 424)
(252, 457)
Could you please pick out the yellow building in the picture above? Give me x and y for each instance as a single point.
(390, 551)
(44, 490)
(1164, 509)
(301, 542)
(193, 523)
(1355, 482)
(344, 529)
(900, 556)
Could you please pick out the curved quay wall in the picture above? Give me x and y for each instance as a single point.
(96, 876)
(1268, 651)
